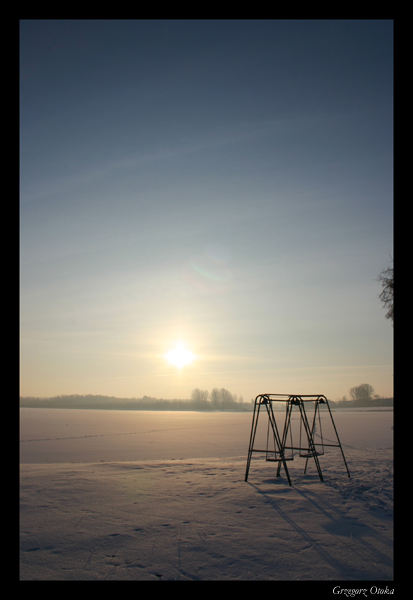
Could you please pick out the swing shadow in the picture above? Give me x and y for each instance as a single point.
(323, 553)
(336, 524)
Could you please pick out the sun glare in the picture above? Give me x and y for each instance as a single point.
(179, 356)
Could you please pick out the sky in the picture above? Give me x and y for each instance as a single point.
(225, 185)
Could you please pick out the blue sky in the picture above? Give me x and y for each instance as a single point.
(223, 184)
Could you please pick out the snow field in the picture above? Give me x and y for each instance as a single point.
(197, 519)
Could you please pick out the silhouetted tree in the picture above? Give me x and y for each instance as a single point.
(216, 397)
(386, 278)
(227, 399)
(199, 397)
(362, 393)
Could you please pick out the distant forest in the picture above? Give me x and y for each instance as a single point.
(200, 400)
(360, 403)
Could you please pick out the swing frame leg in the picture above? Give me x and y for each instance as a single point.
(287, 425)
(278, 442)
(278, 446)
(316, 410)
(311, 446)
(338, 439)
(252, 436)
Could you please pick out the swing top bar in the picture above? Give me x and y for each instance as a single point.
(293, 398)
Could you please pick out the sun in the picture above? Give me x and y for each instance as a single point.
(179, 356)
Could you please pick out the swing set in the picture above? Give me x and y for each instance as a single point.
(280, 448)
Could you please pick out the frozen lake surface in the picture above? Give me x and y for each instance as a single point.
(50, 435)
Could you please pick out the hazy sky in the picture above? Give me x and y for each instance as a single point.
(223, 184)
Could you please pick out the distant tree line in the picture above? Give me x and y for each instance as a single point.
(218, 399)
(363, 396)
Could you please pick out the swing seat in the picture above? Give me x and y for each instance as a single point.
(311, 454)
(277, 459)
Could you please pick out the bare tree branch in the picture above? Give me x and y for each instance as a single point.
(386, 278)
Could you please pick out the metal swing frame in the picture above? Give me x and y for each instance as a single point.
(312, 449)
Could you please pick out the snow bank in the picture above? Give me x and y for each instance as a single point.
(195, 518)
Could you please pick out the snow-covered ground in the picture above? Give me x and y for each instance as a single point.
(119, 495)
